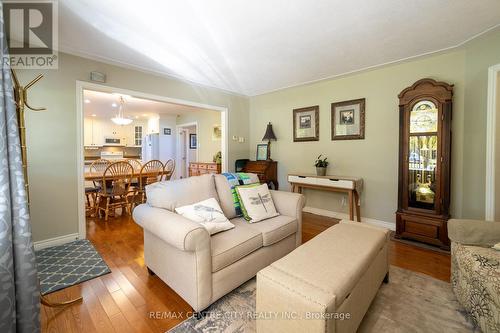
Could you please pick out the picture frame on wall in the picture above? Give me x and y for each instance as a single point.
(262, 152)
(193, 142)
(216, 132)
(306, 124)
(348, 120)
(167, 131)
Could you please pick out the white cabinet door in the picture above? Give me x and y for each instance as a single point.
(87, 132)
(97, 135)
(138, 134)
(125, 135)
(106, 129)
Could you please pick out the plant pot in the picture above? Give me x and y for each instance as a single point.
(321, 171)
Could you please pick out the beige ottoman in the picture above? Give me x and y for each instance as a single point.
(325, 285)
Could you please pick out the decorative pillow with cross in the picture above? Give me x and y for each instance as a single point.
(256, 202)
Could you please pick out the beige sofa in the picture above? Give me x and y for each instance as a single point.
(202, 268)
(475, 270)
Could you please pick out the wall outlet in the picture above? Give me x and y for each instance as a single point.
(241, 139)
(235, 138)
(343, 202)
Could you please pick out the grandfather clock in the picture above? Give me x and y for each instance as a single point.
(424, 162)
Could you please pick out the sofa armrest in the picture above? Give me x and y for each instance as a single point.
(174, 229)
(474, 232)
(288, 203)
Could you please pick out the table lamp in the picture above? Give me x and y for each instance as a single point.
(269, 135)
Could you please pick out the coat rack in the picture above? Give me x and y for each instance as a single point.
(21, 100)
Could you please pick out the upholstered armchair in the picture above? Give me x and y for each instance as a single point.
(475, 270)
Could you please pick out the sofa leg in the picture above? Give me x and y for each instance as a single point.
(386, 278)
(150, 272)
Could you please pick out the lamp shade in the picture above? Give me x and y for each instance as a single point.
(269, 135)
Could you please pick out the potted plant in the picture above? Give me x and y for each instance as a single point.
(321, 165)
(218, 158)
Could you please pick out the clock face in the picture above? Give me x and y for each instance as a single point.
(424, 117)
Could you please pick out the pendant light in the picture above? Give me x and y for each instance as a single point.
(120, 119)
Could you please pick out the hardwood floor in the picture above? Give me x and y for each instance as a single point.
(130, 300)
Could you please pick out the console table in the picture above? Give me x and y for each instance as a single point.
(350, 185)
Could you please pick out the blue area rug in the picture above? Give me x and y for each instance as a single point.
(65, 265)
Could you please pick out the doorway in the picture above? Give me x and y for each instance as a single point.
(187, 148)
(492, 209)
(162, 129)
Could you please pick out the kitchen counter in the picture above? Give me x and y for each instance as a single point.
(89, 159)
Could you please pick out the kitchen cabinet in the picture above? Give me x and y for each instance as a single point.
(92, 133)
(96, 130)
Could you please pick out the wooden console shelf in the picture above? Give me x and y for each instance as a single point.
(351, 186)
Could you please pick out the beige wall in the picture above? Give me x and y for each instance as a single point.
(206, 119)
(481, 54)
(497, 152)
(52, 138)
(375, 159)
(51, 135)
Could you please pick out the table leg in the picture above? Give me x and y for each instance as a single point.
(356, 204)
(351, 208)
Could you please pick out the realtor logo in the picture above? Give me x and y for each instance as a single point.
(31, 31)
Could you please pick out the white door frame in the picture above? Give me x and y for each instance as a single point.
(177, 157)
(493, 73)
(82, 85)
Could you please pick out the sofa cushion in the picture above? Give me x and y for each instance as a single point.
(230, 246)
(274, 229)
(226, 196)
(175, 193)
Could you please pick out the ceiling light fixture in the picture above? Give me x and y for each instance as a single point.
(87, 101)
(120, 119)
(114, 105)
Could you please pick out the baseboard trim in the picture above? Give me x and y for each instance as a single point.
(55, 241)
(343, 216)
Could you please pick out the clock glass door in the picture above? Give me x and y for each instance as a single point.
(423, 155)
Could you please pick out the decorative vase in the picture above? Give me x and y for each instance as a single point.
(321, 171)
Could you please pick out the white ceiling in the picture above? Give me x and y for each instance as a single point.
(253, 47)
(101, 105)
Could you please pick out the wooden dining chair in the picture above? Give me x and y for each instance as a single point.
(151, 172)
(136, 164)
(115, 191)
(169, 169)
(98, 166)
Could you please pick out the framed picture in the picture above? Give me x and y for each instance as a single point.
(193, 143)
(348, 120)
(262, 152)
(306, 124)
(167, 131)
(216, 132)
